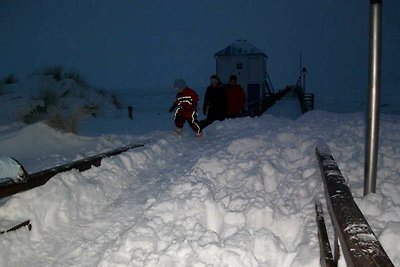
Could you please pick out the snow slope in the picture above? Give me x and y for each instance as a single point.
(243, 195)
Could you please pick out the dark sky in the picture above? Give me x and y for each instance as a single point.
(140, 44)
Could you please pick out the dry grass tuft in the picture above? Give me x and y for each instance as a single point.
(69, 123)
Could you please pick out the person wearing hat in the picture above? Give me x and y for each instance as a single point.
(185, 107)
(214, 106)
(235, 98)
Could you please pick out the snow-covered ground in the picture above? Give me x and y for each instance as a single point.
(242, 195)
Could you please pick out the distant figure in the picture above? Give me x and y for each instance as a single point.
(235, 98)
(185, 107)
(214, 102)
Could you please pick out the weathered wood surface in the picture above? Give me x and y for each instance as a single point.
(326, 256)
(25, 223)
(359, 243)
(41, 177)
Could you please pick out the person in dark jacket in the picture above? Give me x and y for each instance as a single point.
(214, 102)
(235, 98)
(185, 107)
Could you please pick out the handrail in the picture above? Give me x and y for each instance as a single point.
(326, 256)
(306, 100)
(359, 243)
(41, 177)
(256, 109)
(26, 223)
(309, 100)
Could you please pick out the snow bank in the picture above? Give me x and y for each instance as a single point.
(10, 170)
(243, 195)
(37, 141)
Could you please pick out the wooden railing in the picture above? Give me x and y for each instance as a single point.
(309, 101)
(257, 108)
(26, 224)
(358, 242)
(306, 99)
(41, 177)
(326, 256)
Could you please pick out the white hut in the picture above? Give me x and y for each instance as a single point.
(249, 64)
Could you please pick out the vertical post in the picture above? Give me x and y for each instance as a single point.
(372, 134)
(301, 65)
(336, 251)
(303, 74)
(312, 101)
(130, 111)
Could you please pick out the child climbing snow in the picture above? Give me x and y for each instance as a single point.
(185, 107)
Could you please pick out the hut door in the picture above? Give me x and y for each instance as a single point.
(254, 69)
(253, 93)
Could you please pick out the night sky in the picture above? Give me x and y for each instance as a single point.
(142, 44)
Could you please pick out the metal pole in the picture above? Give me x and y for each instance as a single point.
(372, 134)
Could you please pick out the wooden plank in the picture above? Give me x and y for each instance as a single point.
(326, 257)
(359, 243)
(41, 177)
(25, 223)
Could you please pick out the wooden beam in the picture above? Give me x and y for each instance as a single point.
(326, 256)
(359, 243)
(25, 223)
(41, 177)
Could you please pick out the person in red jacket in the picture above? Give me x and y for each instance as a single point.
(185, 107)
(235, 98)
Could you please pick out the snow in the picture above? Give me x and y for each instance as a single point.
(288, 107)
(10, 170)
(240, 47)
(242, 195)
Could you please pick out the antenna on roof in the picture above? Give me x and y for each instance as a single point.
(301, 64)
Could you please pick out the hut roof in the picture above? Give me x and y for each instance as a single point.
(240, 47)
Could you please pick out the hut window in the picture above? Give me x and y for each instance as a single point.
(239, 66)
